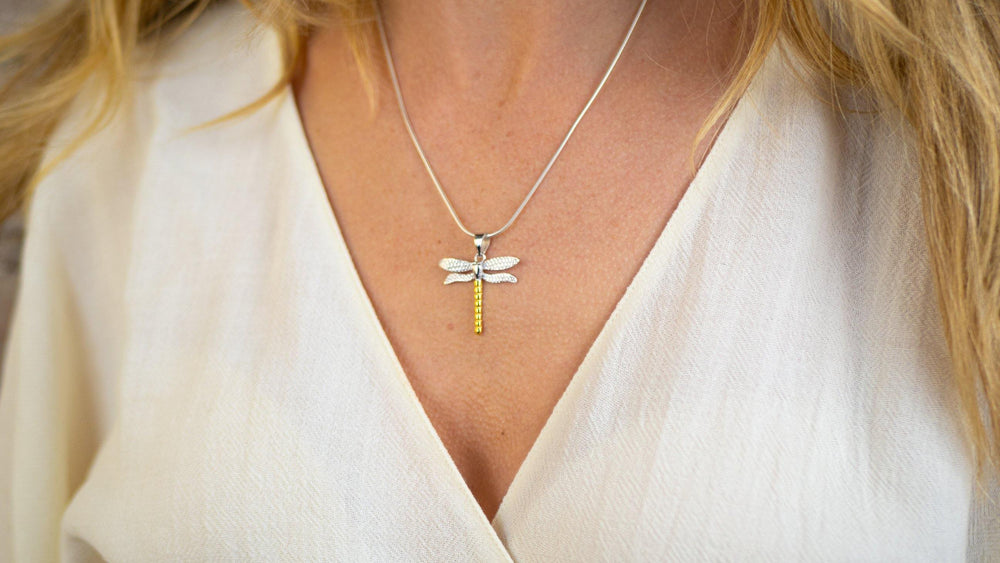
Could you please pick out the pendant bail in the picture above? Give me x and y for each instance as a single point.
(482, 243)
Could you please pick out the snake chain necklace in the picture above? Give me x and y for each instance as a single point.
(481, 269)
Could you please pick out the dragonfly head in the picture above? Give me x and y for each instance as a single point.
(482, 243)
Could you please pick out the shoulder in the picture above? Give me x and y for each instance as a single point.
(224, 60)
(83, 216)
(862, 157)
(845, 173)
(845, 121)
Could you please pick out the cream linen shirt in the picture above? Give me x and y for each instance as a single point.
(195, 372)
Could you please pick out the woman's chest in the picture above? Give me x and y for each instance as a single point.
(322, 454)
(262, 414)
(488, 394)
(578, 244)
(773, 384)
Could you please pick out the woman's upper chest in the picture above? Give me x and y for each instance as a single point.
(580, 240)
(770, 383)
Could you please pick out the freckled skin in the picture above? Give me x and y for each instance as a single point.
(581, 239)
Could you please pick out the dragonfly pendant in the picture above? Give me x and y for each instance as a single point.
(478, 271)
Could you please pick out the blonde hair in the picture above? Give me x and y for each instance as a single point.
(933, 61)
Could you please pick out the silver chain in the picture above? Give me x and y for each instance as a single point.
(538, 182)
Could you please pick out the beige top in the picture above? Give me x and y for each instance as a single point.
(195, 372)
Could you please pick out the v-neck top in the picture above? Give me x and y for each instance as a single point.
(194, 371)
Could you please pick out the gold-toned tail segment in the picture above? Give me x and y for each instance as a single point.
(478, 284)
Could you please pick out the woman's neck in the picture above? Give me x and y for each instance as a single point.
(494, 46)
(508, 55)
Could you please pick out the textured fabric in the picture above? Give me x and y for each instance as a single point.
(195, 371)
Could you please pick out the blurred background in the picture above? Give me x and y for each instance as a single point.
(12, 12)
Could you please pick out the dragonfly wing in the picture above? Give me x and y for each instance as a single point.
(497, 278)
(452, 278)
(500, 263)
(455, 265)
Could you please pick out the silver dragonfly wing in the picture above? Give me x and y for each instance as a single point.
(452, 278)
(500, 263)
(498, 278)
(455, 265)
